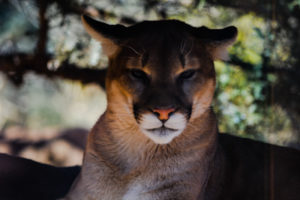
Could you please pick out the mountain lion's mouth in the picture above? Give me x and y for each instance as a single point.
(162, 130)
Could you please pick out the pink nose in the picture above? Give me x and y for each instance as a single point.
(163, 114)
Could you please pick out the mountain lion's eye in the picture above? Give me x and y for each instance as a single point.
(188, 74)
(138, 74)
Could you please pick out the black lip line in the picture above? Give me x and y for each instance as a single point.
(156, 129)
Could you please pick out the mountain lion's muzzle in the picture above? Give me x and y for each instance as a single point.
(163, 114)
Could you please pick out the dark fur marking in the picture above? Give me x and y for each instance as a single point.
(145, 58)
(182, 60)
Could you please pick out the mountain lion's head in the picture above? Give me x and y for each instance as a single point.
(161, 74)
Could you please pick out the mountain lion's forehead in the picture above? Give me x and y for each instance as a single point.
(160, 45)
(166, 53)
(160, 53)
(158, 40)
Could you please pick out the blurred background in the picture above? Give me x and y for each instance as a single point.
(52, 73)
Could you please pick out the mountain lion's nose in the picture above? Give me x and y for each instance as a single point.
(163, 114)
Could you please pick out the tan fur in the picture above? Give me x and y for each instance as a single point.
(219, 51)
(121, 163)
(115, 167)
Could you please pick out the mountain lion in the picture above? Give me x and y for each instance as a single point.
(158, 138)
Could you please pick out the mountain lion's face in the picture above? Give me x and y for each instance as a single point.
(161, 72)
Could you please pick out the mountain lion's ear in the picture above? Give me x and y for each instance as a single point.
(218, 40)
(110, 36)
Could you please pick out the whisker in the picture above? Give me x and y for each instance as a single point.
(134, 50)
(182, 46)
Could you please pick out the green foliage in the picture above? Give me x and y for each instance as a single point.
(236, 99)
(42, 103)
(293, 4)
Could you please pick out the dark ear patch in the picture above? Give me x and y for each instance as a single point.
(217, 40)
(216, 35)
(110, 36)
(114, 32)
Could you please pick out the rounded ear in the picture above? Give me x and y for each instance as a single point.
(218, 40)
(110, 36)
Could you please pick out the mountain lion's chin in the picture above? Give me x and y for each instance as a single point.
(162, 135)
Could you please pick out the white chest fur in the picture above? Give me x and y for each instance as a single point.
(135, 192)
